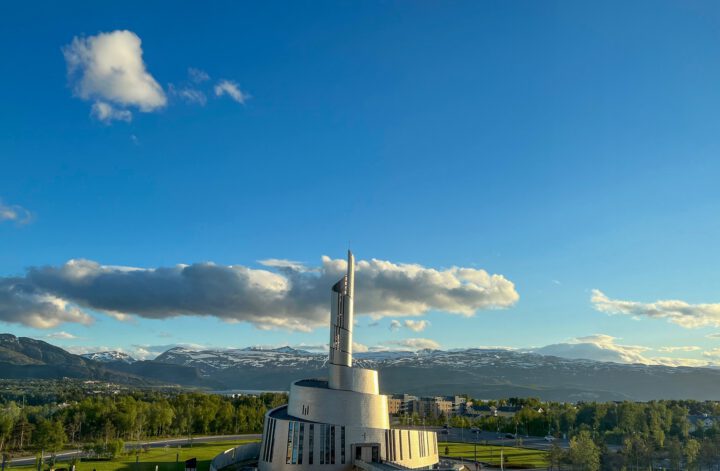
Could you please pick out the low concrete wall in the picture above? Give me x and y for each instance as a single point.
(245, 452)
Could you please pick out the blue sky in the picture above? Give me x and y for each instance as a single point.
(562, 145)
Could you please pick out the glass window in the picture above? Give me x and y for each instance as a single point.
(322, 444)
(296, 442)
(311, 442)
(342, 445)
(300, 444)
(288, 451)
(332, 445)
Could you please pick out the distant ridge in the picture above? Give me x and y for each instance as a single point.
(482, 373)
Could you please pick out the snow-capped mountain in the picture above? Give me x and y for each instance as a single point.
(109, 357)
(483, 373)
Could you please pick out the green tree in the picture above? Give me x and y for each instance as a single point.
(556, 456)
(584, 454)
(50, 436)
(691, 452)
(675, 452)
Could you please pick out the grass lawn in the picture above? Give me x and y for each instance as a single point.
(514, 457)
(164, 458)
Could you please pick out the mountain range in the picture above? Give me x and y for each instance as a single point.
(481, 373)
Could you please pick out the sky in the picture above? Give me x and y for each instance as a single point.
(515, 174)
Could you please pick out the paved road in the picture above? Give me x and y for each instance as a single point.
(493, 438)
(68, 455)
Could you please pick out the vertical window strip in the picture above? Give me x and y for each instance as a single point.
(327, 444)
(322, 444)
(311, 443)
(400, 444)
(288, 449)
(300, 444)
(272, 440)
(332, 445)
(342, 445)
(296, 442)
(409, 445)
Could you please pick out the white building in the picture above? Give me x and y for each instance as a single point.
(342, 421)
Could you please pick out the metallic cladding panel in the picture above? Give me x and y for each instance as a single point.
(332, 406)
(353, 379)
(341, 317)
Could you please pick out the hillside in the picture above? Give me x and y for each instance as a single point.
(26, 358)
(481, 373)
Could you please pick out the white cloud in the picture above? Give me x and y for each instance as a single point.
(416, 326)
(291, 297)
(14, 213)
(412, 344)
(283, 263)
(686, 348)
(598, 347)
(188, 94)
(395, 325)
(232, 89)
(197, 75)
(107, 113)
(360, 348)
(109, 70)
(681, 313)
(23, 303)
(714, 353)
(675, 362)
(62, 335)
(713, 336)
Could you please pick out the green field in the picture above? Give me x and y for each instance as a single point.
(163, 458)
(514, 457)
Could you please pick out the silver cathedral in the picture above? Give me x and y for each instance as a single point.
(342, 422)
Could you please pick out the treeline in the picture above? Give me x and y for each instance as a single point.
(134, 416)
(610, 436)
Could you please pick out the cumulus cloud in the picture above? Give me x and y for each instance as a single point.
(395, 325)
(601, 347)
(412, 344)
(290, 296)
(416, 326)
(714, 335)
(686, 348)
(109, 70)
(23, 303)
(62, 335)
(14, 213)
(598, 347)
(231, 89)
(681, 313)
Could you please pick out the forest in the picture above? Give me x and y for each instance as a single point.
(103, 422)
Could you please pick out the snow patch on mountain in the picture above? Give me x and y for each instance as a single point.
(109, 357)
